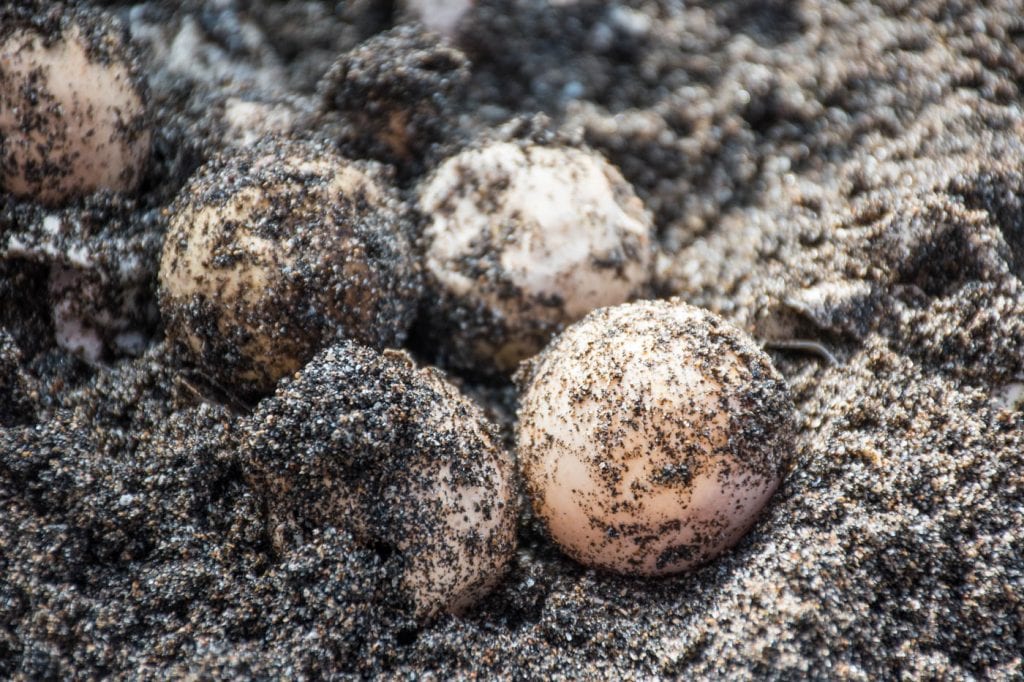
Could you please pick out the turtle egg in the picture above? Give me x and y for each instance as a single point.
(72, 109)
(274, 252)
(522, 239)
(650, 436)
(368, 442)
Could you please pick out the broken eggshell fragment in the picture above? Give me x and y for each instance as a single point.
(100, 261)
(442, 16)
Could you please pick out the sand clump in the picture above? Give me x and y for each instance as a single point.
(396, 455)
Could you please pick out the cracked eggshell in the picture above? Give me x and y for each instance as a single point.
(523, 239)
(275, 252)
(73, 116)
(395, 454)
(650, 437)
(92, 319)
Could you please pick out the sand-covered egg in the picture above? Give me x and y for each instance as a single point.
(400, 94)
(522, 239)
(274, 252)
(651, 435)
(371, 443)
(73, 116)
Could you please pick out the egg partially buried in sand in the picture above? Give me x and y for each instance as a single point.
(275, 252)
(523, 239)
(73, 118)
(393, 453)
(650, 437)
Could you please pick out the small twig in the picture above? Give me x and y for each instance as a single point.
(805, 346)
(197, 394)
(231, 398)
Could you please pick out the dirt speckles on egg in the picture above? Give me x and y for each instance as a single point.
(273, 253)
(370, 443)
(522, 239)
(650, 437)
(73, 116)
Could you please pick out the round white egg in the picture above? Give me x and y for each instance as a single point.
(650, 437)
(72, 112)
(523, 239)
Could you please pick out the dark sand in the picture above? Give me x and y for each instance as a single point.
(843, 180)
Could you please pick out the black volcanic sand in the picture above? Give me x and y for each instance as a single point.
(843, 180)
